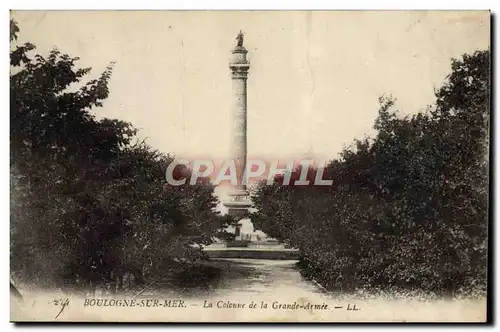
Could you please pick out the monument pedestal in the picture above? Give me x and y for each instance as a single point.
(237, 207)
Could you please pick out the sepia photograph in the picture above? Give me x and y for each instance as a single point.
(249, 166)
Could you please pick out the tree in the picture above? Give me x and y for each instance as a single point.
(57, 150)
(89, 202)
(408, 208)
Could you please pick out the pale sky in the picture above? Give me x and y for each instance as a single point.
(314, 82)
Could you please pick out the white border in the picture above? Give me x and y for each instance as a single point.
(192, 5)
(255, 4)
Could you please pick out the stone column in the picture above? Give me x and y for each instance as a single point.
(239, 202)
(239, 73)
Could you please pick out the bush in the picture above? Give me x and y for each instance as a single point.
(88, 202)
(408, 209)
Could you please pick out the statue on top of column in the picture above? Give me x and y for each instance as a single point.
(239, 38)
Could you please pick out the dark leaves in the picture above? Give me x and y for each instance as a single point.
(87, 200)
(408, 208)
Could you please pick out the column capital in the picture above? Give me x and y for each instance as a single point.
(239, 49)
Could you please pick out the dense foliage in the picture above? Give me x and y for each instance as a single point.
(408, 208)
(88, 201)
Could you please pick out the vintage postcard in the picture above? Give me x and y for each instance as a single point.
(249, 166)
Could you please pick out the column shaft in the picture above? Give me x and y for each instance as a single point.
(239, 129)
